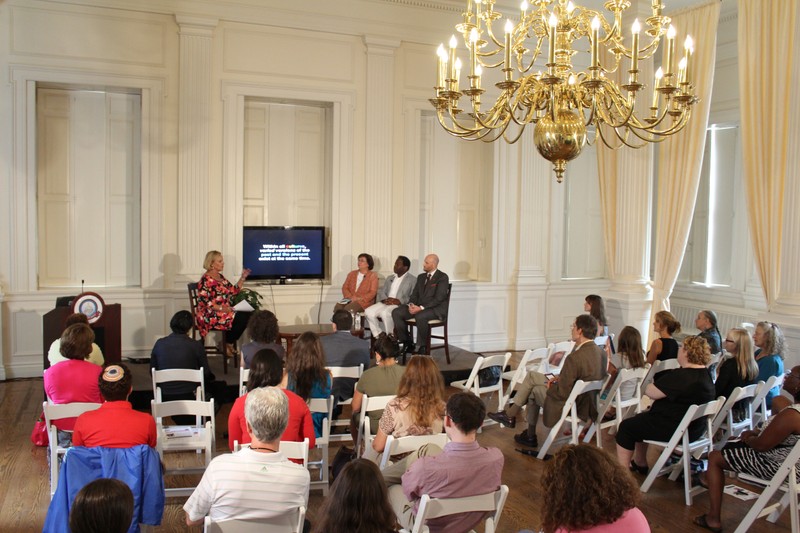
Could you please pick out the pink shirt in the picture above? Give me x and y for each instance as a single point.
(631, 521)
(72, 381)
(462, 469)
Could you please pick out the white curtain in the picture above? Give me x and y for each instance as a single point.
(766, 45)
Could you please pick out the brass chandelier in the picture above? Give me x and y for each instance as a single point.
(559, 101)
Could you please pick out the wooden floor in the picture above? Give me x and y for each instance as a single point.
(24, 486)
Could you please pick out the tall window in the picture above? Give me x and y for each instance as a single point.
(88, 187)
(719, 225)
(287, 163)
(456, 201)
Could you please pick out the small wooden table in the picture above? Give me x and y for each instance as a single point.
(290, 333)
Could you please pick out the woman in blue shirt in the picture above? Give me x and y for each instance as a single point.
(768, 338)
(306, 374)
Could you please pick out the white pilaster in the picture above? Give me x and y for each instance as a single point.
(379, 149)
(194, 207)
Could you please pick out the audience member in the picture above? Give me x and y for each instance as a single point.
(267, 371)
(418, 407)
(706, 322)
(176, 351)
(573, 502)
(757, 453)
(115, 424)
(344, 349)
(587, 362)
(768, 338)
(463, 468)
(54, 353)
(214, 293)
(740, 369)
(395, 292)
(629, 355)
(306, 374)
(360, 286)
(674, 392)
(73, 380)
(102, 506)
(381, 380)
(263, 330)
(358, 502)
(256, 482)
(664, 347)
(428, 301)
(594, 305)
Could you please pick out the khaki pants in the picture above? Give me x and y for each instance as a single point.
(533, 393)
(393, 475)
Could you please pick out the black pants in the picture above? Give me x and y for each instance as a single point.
(240, 320)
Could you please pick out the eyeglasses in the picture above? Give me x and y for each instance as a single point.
(729, 340)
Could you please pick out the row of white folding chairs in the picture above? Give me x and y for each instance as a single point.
(291, 522)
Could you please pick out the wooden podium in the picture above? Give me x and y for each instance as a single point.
(104, 319)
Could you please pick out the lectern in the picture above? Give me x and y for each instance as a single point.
(104, 319)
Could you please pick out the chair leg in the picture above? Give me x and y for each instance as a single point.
(447, 344)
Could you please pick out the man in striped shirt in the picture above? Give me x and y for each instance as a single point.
(254, 483)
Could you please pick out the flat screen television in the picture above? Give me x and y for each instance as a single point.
(284, 252)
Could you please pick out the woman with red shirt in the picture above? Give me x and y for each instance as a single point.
(266, 370)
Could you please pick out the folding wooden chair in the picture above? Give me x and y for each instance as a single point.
(365, 435)
(291, 522)
(472, 383)
(760, 411)
(613, 398)
(58, 411)
(784, 479)
(244, 375)
(344, 372)
(532, 359)
(655, 368)
(724, 420)
(411, 443)
(569, 413)
(492, 503)
(680, 441)
(322, 443)
(564, 347)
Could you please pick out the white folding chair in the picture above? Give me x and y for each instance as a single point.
(291, 522)
(492, 502)
(295, 450)
(322, 405)
(760, 410)
(655, 368)
(411, 443)
(179, 374)
(785, 479)
(569, 413)
(58, 411)
(472, 383)
(566, 347)
(344, 372)
(724, 420)
(532, 358)
(680, 441)
(244, 375)
(199, 438)
(365, 435)
(622, 408)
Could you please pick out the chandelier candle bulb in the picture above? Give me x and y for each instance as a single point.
(682, 70)
(453, 44)
(478, 14)
(523, 8)
(507, 58)
(670, 51)
(458, 73)
(635, 29)
(659, 75)
(473, 51)
(441, 65)
(478, 72)
(595, 43)
(688, 50)
(551, 58)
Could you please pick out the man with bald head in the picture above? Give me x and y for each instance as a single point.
(428, 302)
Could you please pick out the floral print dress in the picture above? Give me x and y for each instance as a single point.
(211, 292)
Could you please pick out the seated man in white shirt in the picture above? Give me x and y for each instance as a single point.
(254, 483)
(396, 291)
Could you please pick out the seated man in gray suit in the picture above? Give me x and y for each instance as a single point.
(396, 291)
(343, 349)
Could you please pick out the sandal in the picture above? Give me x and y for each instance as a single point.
(643, 470)
(701, 521)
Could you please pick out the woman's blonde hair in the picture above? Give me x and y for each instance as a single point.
(423, 386)
(210, 258)
(668, 320)
(744, 351)
(697, 350)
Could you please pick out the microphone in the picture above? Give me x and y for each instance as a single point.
(81, 286)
